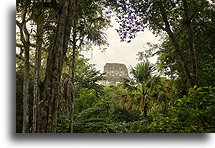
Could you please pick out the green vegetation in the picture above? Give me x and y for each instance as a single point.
(58, 91)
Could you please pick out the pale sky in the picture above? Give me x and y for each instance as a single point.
(120, 52)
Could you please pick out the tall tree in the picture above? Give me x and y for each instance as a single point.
(161, 16)
(25, 39)
(56, 57)
(188, 20)
(87, 30)
(197, 40)
(39, 19)
(53, 21)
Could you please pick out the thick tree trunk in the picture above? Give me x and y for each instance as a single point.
(37, 66)
(176, 45)
(191, 42)
(56, 57)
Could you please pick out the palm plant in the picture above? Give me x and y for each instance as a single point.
(140, 87)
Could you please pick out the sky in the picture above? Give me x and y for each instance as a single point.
(120, 52)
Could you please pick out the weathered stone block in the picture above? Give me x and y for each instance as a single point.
(115, 72)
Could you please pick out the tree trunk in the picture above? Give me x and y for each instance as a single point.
(73, 74)
(37, 66)
(191, 42)
(25, 128)
(68, 89)
(26, 43)
(56, 57)
(25, 39)
(176, 45)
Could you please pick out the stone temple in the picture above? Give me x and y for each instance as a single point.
(114, 73)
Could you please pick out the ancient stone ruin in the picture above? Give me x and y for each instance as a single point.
(114, 73)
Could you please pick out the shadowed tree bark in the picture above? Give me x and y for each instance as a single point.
(51, 92)
(25, 39)
(175, 44)
(192, 50)
(37, 66)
